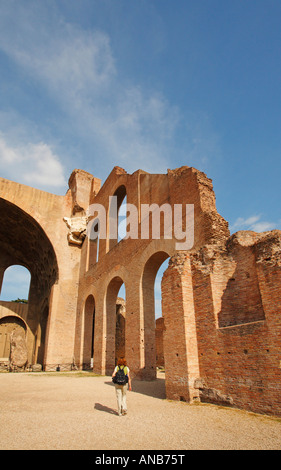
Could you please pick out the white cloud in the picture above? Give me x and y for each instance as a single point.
(126, 125)
(33, 164)
(74, 63)
(47, 169)
(122, 123)
(114, 121)
(8, 156)
(263, 226)
(253, 223)
(138, 130)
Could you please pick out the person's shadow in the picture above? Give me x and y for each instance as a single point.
(100, 407)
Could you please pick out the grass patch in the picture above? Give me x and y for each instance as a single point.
(76, 374)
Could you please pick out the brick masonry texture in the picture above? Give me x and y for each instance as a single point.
(220, 335)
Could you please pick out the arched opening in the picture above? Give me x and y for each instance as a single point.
(115, 323)
(122, 220)
(13, 347)
(89, 333)
(157, 288)
(151, 294)
(16, 284)
(117, 224)
(23, 242)
(93, 243)
(159, 320)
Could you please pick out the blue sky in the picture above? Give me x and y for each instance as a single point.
(150, 84)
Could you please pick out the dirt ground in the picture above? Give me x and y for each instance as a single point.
(76, 411)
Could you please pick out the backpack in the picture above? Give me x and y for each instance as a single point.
(120, 377)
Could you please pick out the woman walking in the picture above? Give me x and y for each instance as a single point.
(121, 378)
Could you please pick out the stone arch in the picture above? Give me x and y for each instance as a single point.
(150, 270)
(88, 332)
(120, 193)
(17, 274)
(111, 320)
(13, 345)
(93, 244)
(120, 339)
(24, 242)
(14, 318)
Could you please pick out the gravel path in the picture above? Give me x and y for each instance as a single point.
(64, 411)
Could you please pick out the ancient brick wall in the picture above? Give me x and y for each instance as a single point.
(135, 262)
(33, 233)
(237, 304)
(220, 298)
(159, 330)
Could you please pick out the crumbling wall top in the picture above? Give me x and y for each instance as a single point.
(81, 184)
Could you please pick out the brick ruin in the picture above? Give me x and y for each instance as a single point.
(220, 334)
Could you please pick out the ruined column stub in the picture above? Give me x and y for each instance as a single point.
(178, 261)
(81, 183)
(84, 187)
(180, 339)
